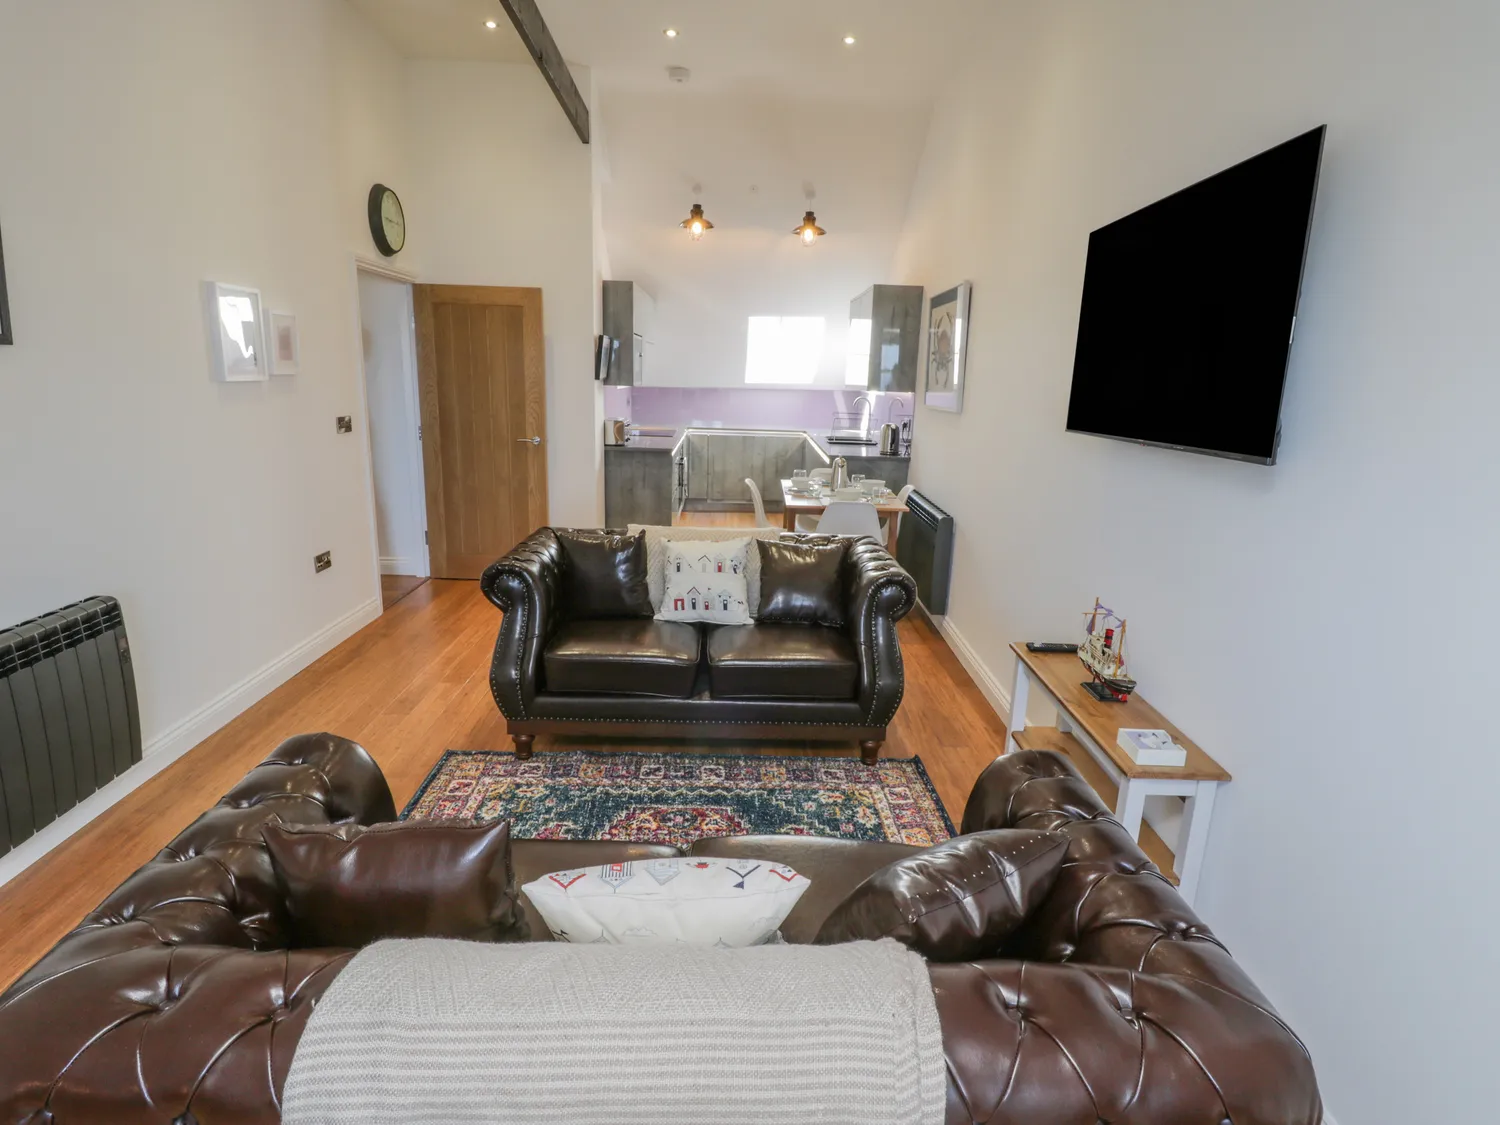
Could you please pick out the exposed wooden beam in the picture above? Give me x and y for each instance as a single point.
(538, 39)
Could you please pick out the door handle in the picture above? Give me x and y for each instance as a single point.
(529, 440)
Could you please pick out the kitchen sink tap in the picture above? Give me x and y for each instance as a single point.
(865, 411)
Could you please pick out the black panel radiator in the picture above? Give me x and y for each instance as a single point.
(925, 548)
(69, 721)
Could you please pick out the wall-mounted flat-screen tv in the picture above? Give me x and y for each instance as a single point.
(1189, 310)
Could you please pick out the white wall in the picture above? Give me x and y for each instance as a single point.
(502, 193)
(1321, 627)
(146, 148)
(367, 88)
(391, 399)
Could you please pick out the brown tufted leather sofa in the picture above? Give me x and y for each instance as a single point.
(526, 584)
(177, 1003)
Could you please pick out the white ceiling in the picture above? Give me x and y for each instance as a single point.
(794, 48)
(445, 29)
(776, 103)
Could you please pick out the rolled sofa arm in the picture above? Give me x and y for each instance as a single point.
(524, 585)
(173, 998)
(879, 594)
(1123, 1006)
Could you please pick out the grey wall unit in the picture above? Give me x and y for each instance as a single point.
(630, 318)
(638, 487)
(895, 316)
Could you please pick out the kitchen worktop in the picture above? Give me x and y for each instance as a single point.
(820, 438)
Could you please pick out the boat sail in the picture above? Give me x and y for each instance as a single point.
(1103, 654)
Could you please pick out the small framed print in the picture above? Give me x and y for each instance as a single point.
(6, 337)
(236, 332)
(286, 352)
(947, 349)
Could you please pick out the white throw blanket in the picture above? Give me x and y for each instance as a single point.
(458, 1033)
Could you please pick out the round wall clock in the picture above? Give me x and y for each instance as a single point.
(387, 220)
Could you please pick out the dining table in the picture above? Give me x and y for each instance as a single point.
(890, 506)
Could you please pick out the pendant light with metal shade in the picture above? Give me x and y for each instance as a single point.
(696, 224)
(809, 232)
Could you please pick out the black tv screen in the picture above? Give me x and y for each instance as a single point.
(1189, 307)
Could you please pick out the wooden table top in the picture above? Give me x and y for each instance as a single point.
(885, 507)
(1063, 675)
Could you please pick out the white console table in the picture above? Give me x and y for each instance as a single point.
(1086, 726)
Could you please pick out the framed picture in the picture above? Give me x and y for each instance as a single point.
(948, 348)
(281, 343)
(237, 332)
(604, 352)
(6, 337)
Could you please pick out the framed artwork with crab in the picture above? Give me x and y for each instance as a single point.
(948, 348)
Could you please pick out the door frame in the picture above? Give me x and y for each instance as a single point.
(533, 358)
(358, 264)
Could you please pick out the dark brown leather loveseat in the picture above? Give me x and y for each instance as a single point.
(177, 1001)
(553, 673)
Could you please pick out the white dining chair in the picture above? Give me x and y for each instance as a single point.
(822, 474)
(760, 504)
(850, 517)
(885, 522)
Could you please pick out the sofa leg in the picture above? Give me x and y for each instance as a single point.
(523, 746)
(869, 752)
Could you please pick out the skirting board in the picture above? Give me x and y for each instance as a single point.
(400, 565)
(983, 678)
(182, 736)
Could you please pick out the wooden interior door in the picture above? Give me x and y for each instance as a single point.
(482, 376)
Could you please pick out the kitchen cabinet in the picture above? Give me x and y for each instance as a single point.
(885, 334)
(719, 463)
(638, 487)
(630, 318)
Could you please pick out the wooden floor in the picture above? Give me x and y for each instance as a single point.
(394, 587)
(407, 687)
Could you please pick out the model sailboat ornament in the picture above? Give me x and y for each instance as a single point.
(1103, 654)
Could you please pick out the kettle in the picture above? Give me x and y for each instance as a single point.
(890, 439)
(840, 473)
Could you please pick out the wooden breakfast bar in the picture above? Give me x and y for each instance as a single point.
(1089, 729)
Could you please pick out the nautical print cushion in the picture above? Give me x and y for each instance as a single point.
(656, 560)
(706, 582)
(722, 903)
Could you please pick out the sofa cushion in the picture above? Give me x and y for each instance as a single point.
(781, 662)
(635, 656)
(802, 583)
(604, 575)
(347, 885)
(833, 866)
(656, 555)
(713, 903)
(706, 582)
(954, 902)
(531, 859)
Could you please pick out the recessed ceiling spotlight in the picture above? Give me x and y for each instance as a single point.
(849, 40)
(670, 33)
(491, 24)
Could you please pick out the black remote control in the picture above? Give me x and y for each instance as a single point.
(1050, 646)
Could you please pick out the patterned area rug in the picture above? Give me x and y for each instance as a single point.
(679, 798)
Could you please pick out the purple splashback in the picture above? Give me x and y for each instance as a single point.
(746, 406)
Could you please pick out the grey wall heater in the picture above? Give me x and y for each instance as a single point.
(69, 721)
(925, 548)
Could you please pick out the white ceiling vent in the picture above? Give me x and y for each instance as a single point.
(679, 74)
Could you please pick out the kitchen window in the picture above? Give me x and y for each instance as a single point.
(784, 349)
